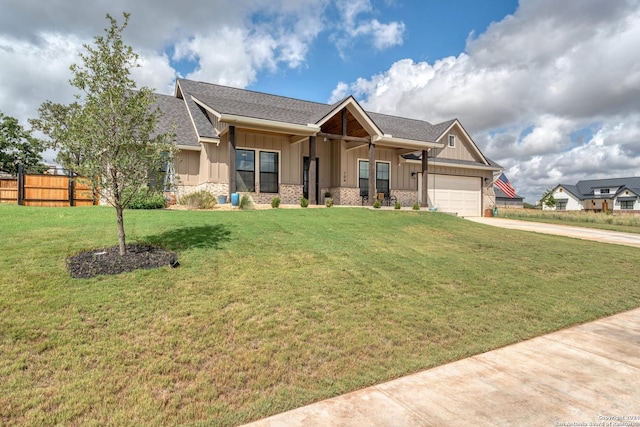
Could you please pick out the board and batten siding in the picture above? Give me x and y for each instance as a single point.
(290, 154)
(461, 151)
(401, 178)
(188, 167)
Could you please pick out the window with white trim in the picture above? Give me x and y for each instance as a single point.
(561, 205)
(452, 141)
(604, 191)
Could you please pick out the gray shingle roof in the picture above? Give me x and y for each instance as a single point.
(247, 103)
(176, 119)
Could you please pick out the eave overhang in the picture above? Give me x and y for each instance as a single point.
(189, 148)
(389, 141)
(269, 125)
(453, 165)
(209, 140)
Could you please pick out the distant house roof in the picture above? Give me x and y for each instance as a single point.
(500, 195)
(586, 189)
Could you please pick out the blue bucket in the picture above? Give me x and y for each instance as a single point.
(235, 199)
(222, 199)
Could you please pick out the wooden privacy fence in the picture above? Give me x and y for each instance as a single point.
(47, 190)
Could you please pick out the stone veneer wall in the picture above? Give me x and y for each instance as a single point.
(346, 196)
(290, 194)
(405, 197)
(213, 188)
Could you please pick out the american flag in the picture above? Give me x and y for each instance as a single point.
(503, 183)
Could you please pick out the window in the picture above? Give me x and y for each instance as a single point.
(452, 141)
(363, 175)
(626, 204)
(604, 191)
(245, 170)
(561, 205)
(382, 177)
(268, 172)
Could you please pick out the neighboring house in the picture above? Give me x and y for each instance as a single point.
(235, 140)
(504, 201)
(599, 195)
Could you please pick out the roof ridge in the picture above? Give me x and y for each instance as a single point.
(400, 117)
(255, 91)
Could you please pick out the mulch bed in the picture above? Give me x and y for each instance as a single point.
(108, 260)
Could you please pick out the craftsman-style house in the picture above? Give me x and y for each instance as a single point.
(235, 140)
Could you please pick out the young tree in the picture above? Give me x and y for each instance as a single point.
(18, 147)
(109, 136)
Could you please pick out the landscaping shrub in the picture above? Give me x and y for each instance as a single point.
(246, 202)
(397, 205)
(199, 200)
(275, 202)
(377, 204)
(329, 202)
(416, 207)
(304, 202)
(147, 199)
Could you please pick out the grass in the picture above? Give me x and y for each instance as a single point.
(271, 309)
(629, 223)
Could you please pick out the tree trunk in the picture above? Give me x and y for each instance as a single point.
(121, 238)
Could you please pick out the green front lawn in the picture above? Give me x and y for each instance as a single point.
(272, 309)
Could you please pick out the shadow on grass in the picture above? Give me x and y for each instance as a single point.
(205, 236)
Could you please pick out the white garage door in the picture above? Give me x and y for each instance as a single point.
(455, 194)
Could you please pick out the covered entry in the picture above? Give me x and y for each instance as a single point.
(456, 194)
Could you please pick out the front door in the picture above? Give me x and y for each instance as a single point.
(305, 179)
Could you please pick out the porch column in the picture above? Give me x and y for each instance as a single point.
(425, 174)
(313, 199)
(232, 160)
(372, 173)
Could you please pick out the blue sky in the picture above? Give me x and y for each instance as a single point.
(433, 30)
(548, 89)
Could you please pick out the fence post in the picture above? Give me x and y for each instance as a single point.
(71, 188)
(20, 185)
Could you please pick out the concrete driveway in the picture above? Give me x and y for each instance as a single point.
(618, 238)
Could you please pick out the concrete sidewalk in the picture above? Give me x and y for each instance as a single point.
(598, 235)
(584, 375)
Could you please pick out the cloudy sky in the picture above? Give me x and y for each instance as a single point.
(549, 89)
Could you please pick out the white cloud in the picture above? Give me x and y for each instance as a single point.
(35, 71)
(526, 85)
(352, 27)
(230, 42)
